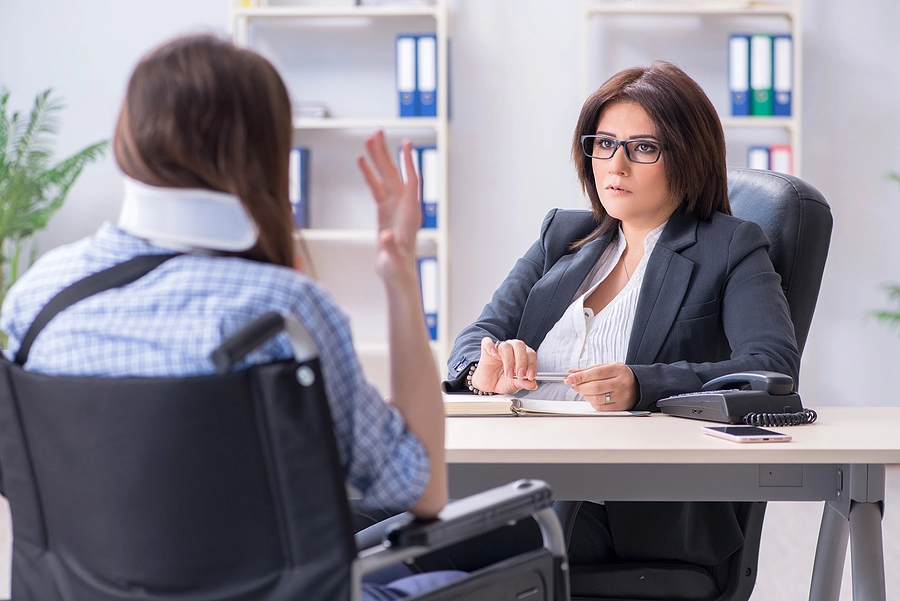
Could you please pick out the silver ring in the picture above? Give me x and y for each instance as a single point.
(608, 398)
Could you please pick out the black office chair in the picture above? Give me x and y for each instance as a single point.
(218, 488)
(797, 220)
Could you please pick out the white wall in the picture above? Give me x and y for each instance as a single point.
(516, 92)
(85, 51)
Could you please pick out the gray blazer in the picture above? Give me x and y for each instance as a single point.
(710, 303)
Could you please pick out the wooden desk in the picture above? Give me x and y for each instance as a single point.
(839, 460)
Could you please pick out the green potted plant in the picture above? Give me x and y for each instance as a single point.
(32, 186)
(891, 316)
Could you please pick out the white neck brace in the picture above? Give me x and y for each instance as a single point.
(186, 219)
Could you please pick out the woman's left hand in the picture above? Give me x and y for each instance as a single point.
(607, 387)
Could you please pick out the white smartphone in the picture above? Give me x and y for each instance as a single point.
(745, 434)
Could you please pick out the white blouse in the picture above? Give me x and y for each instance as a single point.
(581, 339)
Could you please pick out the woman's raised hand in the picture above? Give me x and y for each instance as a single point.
(399, 209)
(505, 367)
(415, 384)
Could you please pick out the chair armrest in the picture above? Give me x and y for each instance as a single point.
(473, 515)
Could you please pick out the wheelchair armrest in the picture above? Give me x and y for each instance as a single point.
(473, 515)
(463, 519)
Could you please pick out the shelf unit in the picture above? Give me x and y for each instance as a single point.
(343, 55)
(737, 11)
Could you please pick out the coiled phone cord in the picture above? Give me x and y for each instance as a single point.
(807, 416)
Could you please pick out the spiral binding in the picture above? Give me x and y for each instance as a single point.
(807, 416)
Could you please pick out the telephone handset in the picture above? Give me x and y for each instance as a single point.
(757, 398)
(768, 381)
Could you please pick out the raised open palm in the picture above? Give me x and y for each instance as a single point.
(398, 207)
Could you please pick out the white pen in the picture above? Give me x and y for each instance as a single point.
(548, 375)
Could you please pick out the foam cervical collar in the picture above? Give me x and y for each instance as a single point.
(186, 219)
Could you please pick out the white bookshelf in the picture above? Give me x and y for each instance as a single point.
(704, 25)
(343, 56)
(707, 7)
(359, 236)
(367, 125)
(328, 10)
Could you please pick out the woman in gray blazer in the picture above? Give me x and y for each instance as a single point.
(655, 291)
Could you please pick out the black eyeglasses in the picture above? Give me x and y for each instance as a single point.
(636, 151)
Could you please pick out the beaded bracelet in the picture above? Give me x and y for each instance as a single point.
(474, 390)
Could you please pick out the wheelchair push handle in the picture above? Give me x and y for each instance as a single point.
(245, 340)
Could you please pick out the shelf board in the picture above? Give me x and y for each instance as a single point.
(431, 123)
(264, 12)
(722, 7)
(759, 122)
(357, 236)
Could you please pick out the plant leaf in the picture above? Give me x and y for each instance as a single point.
(31, 189)
(892, 318)
(33, 147)
(4, 130)
(894, 176)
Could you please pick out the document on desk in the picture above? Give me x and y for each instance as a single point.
(510, 406)
(532, 406)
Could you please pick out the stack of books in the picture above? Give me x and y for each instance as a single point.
(310, 110)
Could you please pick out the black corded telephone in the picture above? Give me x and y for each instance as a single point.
(758, 398)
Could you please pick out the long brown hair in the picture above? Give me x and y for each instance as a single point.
(688, 128)
(200, 112)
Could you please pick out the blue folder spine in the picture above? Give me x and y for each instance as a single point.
(739, 74)
(298, 185)
(783, 74)
(426, 75)
(428, 280)
(430, 170)
(406, 75)
(758, 157)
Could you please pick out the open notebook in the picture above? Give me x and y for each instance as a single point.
(506, 405)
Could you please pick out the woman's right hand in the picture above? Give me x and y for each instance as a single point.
(398, 208)
(505, 367)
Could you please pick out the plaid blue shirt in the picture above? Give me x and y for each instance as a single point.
(168, 322)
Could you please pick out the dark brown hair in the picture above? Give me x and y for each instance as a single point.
(200, 112)
(687, 125)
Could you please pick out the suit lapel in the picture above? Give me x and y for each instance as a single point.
(552, 294)
(662, 291)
